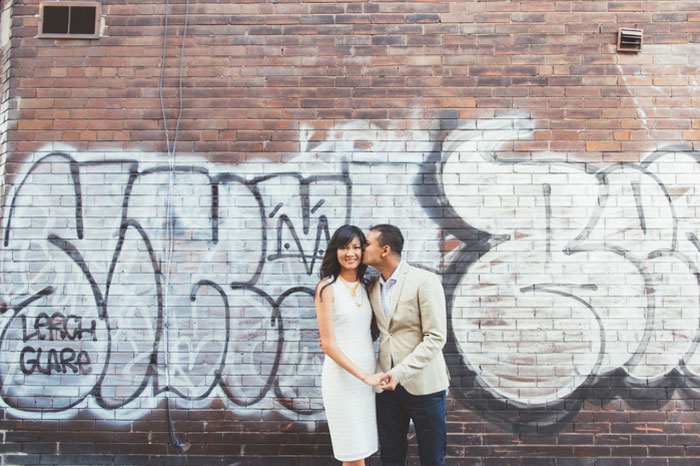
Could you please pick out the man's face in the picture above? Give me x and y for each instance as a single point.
(373, 250)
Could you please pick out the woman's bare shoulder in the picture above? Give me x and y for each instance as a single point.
(324, 289)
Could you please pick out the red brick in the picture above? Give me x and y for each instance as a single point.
(256, 73)
(604, 146)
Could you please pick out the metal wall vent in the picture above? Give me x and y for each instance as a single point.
(629, 40)
(69, 20)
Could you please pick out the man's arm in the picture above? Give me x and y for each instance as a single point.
(433, 314)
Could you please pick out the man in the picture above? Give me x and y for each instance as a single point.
(409, 306)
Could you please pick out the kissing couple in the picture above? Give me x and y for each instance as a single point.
(410, 377)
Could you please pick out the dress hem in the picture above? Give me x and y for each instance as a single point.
(355, 458)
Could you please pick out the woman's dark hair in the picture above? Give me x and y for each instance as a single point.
(330, 267)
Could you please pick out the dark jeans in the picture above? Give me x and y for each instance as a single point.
(395, 409)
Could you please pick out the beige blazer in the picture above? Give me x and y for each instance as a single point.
(415, 332)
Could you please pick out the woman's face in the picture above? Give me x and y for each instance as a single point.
(350, 255)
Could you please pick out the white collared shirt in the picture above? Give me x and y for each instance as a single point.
(388, 289)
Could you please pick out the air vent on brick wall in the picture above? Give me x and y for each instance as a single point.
(629, 40)
(69, 20)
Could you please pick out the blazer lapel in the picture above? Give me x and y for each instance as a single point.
(375, 298)
(399, 288)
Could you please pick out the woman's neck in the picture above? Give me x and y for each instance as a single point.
(348, 275)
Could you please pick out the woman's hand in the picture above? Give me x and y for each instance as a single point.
(373, 379)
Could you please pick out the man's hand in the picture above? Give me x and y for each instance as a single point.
(389, 381)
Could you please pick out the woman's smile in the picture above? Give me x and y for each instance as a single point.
(350, 255)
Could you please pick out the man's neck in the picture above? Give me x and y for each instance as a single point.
(388, 268)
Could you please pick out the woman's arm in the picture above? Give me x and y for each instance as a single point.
(324, 316)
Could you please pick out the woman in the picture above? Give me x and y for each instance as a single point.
(344, 316)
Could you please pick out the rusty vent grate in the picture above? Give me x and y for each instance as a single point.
(629, 40)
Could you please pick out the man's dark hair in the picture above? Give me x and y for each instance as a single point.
(389, 235)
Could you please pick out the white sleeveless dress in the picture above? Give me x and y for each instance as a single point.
(349, 402)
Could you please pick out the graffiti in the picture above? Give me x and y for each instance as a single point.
(128, 279)
(85, 247)
(111, 312)
(589, 277)
(54, 328)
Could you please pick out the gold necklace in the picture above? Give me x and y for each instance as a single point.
(353, 290)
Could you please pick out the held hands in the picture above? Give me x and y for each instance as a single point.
(374, 379)
(388, 381)
(385, 381)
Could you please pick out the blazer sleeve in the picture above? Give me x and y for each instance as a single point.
(433, 318)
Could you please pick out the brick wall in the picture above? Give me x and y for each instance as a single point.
(159, 253)
(5, 13)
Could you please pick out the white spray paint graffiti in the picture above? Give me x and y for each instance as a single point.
(84, 246)
(591, 269)
(581, 270)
